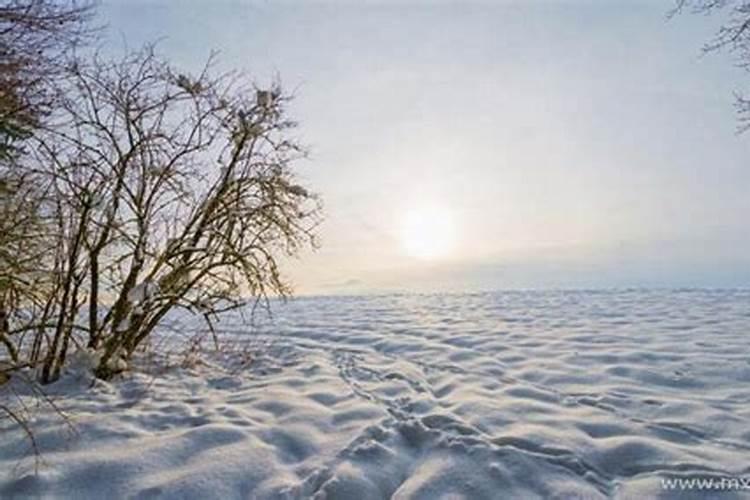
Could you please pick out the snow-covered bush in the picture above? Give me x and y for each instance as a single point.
(166, 190)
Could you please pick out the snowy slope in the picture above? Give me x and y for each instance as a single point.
(506, 395)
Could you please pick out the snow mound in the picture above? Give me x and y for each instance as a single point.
(510, 395)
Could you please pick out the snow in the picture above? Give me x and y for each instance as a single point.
(504, 395)
(143, 292)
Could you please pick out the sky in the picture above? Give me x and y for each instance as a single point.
(462, 146)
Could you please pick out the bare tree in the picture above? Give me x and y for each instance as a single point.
(733, 36)
(166, 191)
(24, 263)
(36, 37)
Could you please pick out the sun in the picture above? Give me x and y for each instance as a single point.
(427, 232)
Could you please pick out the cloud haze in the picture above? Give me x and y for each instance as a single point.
(574, 143)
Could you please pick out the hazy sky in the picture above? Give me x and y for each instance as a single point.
(489, 145)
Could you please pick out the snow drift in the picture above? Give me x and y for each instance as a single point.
(505, 395)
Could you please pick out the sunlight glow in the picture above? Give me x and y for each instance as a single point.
(428, 232)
